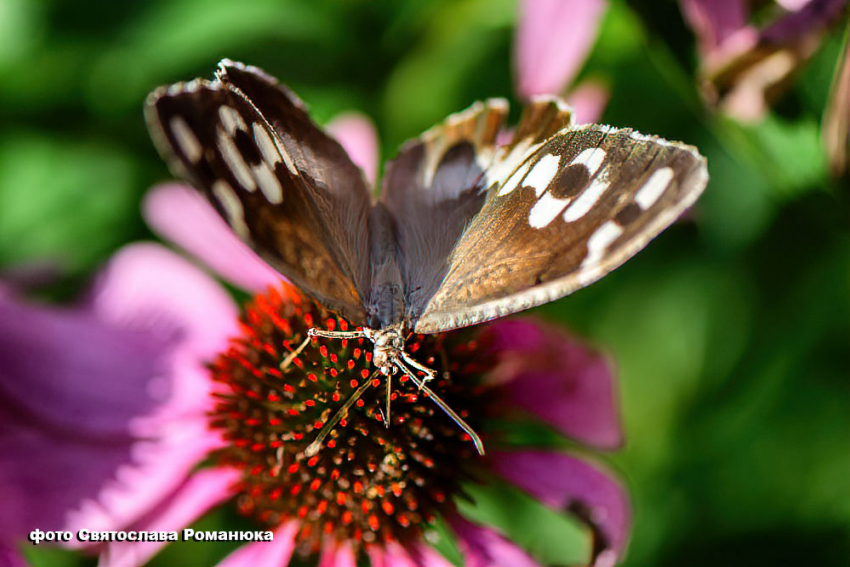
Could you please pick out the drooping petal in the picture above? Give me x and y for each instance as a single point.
(483, 547)
(567, 483)
(394, 555)
(59, 368)
(588, 100)
(744, 69)
(179, 214)
(10, 557)
(714, 21)
(552, 41)
(334, 555)
(553, 376)
(197, 495)
(792, 5)
(147, 287)
(357, 134)
(70, 385)
(112, 394)
(275, 553)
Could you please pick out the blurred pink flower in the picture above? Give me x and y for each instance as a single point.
(743, 68)
(121, 420)
(553, 39)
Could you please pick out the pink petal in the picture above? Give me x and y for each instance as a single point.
(483, 547)
(275, 553)
(59, 369)
(714, 21)
(201, 492)
(548, 373)
(588, 100)
(147, 287)
(394, 555)
(180, 214)
(566, 483)
(358, 136)
(792, 5)
(334, 555)
(64, 409)
(552, 41)
(9, 557)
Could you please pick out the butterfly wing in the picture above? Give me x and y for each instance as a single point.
(285, 187)
(562, 207)
(433, 188)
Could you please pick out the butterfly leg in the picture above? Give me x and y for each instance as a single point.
(476, 440)
(291, 356)
(389, 399)
(314, 332)
(316, 445)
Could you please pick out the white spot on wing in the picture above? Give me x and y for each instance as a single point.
(545, 210)
(654, 187)
(599, 241)
(231, 119)
(186, 139)
(267, 147)
(269, 184)
(234, 160)
(232, 206)
(586, 200)
(514, 180)
(591, 158)
(542, 173)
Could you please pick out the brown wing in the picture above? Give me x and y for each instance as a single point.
(559, 214)
(284, 186)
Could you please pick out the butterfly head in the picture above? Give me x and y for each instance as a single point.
(388, 347)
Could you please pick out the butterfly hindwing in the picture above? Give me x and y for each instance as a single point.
(285, 187)
(559, 213)
(433, 188)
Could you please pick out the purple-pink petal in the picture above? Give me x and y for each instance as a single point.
(555, 377)
(588, 100)
(566, 483)
(714, 21)
(357, 134)
(394, 555)
(814, 17)
(334, 555)
(111, 394)
(483, 547)
(193, 498)
(146, 287)
(179, 214)
(275, 553)
(552, 41)
(9, 557)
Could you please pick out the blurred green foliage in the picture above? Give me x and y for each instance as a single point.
(730, 332)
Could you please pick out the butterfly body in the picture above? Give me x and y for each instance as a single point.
(468, 228)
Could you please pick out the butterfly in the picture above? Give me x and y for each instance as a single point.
(465, 230)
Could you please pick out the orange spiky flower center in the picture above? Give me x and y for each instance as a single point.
(369, 483)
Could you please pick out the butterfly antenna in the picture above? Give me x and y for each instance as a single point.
(316, 445)
(476, 440)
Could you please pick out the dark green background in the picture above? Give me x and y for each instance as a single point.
(730, 332)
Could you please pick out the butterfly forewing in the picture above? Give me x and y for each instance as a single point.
(559, 215)
(286, 188)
